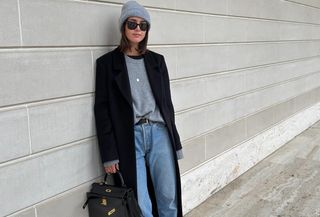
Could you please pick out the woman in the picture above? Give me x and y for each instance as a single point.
(135, 117)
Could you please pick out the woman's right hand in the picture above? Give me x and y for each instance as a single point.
(111, 169)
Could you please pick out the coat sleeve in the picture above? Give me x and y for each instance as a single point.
(104, 129)
(164, 69)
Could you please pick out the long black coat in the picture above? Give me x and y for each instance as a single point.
(114, 112)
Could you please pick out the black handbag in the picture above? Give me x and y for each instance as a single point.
(110, 200)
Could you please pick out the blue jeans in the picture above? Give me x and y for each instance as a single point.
(153, 148)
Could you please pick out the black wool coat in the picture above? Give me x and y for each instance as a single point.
(114, 113)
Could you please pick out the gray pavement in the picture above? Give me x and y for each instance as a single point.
(285, 184)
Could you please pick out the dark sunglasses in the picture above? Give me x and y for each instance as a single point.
(133, 25)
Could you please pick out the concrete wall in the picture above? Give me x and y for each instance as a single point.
(237, 69)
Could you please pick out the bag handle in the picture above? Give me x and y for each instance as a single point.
(119, 175)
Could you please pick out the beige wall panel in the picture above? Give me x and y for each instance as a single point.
(59, 122)
(174, 28)
(205, 6)
(283, 110)
(200, 60)
(223, 29)
(98, 52)
(296, 31)
(225, 138)
(14, 133)
(72, 23)
(303, 101)
(260, 121)
(317, 95)
(31, 75)
(194, 154)
(9, 25)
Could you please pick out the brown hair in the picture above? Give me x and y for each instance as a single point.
(125, 44)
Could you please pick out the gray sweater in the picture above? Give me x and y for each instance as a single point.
(140, 89)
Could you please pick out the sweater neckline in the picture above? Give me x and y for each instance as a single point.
(135, 57)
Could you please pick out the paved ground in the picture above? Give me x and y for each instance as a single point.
(285, 184)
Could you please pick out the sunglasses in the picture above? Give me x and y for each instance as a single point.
(133, 25)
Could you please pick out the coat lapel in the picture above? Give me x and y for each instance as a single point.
(122, 78)
(155, 77)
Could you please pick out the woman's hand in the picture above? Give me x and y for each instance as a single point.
(111, 169)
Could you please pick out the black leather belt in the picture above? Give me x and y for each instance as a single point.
(144, 121)
(147, 121)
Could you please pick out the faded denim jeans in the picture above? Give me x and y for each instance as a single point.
(153, 148)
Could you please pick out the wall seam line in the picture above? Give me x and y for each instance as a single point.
(306, 5)
(92, 63)
(20, 23)
(205, 146)
(29, 131)
(35, 211)
(203, 29)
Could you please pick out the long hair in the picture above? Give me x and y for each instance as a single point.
(125, 44)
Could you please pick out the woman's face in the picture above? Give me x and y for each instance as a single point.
(136, 35)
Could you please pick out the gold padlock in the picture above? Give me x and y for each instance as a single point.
(104, 202)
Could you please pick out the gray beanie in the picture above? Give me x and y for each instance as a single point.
(133, 9)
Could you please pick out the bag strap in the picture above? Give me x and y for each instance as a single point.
(119, 175)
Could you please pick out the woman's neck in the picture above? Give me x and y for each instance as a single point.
(132, 52)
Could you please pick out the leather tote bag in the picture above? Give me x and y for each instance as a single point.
(110, 200)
